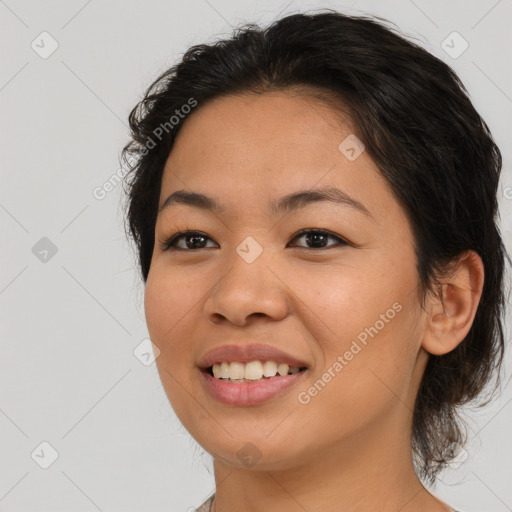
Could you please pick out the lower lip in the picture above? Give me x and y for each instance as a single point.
(248, 393)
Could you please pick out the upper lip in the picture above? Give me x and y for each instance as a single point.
(246, 354)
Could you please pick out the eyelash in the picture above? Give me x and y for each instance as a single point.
(168, 245)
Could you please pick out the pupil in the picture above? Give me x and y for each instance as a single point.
(312, 238)
(193, 237)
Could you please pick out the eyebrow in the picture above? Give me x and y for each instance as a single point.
(285, 204)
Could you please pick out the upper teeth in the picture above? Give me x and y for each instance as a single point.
(254, 370)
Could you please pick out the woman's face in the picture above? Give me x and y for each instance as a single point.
(344, 305)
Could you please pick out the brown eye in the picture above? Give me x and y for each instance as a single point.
(193, 240)
(318, 238)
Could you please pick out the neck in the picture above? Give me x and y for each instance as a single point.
(372, 470)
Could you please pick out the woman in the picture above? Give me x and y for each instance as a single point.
(314, 209)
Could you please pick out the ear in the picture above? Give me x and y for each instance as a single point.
(451, 315)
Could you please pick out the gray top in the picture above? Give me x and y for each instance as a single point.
(205, 507)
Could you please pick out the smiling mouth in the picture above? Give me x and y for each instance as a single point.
(253, 371)
(251, 383)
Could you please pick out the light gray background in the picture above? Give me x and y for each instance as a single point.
(70, 324)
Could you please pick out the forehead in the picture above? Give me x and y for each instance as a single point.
(250, 148)
(275, 119)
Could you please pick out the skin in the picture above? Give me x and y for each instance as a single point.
(349, 447)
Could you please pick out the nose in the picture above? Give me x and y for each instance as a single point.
(248, 290)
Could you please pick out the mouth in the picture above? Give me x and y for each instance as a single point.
(245, 375)
(236, 372)
(228, 383)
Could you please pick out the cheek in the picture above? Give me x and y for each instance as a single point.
(371, 345)
(361, 383)
(167, 298)
(158, 308)
(350, 303)
(167, 310)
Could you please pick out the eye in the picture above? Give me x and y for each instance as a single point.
(193, 240)
(318, 238)
(198, 240)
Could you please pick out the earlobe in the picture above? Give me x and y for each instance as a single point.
(452, 313)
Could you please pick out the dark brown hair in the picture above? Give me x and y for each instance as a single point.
(419, 126)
